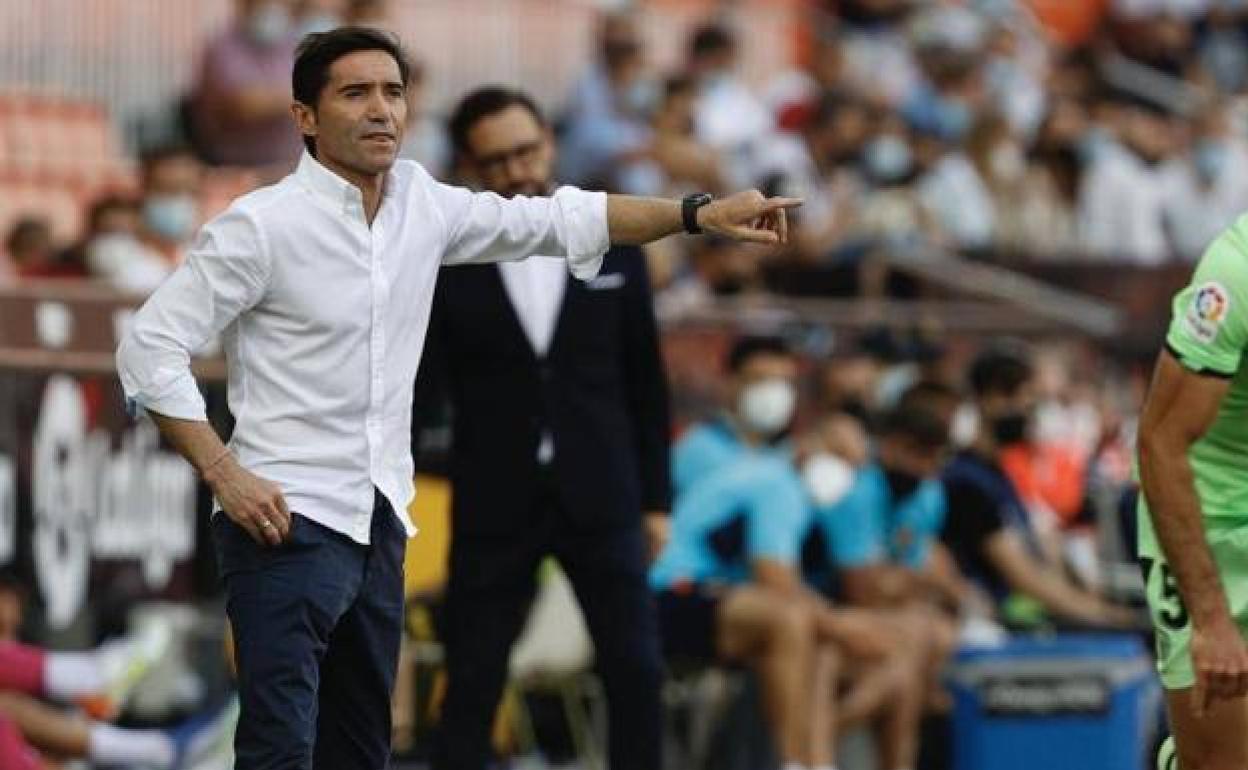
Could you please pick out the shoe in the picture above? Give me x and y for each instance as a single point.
(206, 741)
(126, 663)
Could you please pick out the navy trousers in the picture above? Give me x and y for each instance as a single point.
(316, 624)
(491, 587)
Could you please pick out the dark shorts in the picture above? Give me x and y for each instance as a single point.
(688, 616)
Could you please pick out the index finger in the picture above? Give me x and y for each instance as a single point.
(777, 204)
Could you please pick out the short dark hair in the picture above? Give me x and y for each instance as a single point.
(26, 232)
(752, 345)
(154, 156)
(711, 38)
(106, 203)
(482, 103)
(318, 51)
(917, 423)
(1000, 370)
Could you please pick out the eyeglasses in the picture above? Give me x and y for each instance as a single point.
(525, 152)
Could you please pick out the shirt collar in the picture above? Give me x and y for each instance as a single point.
(332, 188)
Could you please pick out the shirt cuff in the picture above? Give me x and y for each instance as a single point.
(177, 400)
(586, 235)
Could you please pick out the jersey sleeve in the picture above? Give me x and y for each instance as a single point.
(1209, 321)
(778, 518)
(850, 528)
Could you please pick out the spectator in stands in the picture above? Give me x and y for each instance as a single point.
(1124, 192)
(313, 16)
(608, 136)
(378, 14)
(168, 214)
(820, 165)
(1210, 186)
(687, 164)
(109, 217)
(988, 531)
(728, 116)
(1042, 223)
(240, 105)
(425, 139)
(29, 246)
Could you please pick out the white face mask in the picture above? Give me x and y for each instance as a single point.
(172, 217)
(766, 407)
(828, 478)
(965, 425)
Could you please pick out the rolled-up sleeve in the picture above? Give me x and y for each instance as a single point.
(485, 227)
(224, 274)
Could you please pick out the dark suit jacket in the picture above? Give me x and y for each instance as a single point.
(601, 392)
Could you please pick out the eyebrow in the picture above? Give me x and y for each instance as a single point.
(369, 84)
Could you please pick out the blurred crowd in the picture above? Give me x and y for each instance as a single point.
(983, 127)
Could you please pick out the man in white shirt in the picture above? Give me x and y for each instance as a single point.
(320, 289)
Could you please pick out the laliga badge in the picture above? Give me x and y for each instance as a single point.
(1207, 312)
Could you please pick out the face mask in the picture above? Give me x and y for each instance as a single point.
(1209, 159)
(1007, 162)
(767, 407)
(887, 158)
(1010, 428)
(827, 477)
(965, 424)
(901, 484)
(1093, 144)
(953, 119)
(321, 22)
(639, 97)
(172, 217)
(269, 24)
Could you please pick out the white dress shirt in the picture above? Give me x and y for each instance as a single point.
(323, 320)
(535, 288)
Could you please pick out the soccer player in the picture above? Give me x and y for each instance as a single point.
(1193, 545)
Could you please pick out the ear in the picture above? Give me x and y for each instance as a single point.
(305, 118)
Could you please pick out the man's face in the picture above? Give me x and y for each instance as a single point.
(511, 153)
(360, 114)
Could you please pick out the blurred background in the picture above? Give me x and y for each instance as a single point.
(975, 171)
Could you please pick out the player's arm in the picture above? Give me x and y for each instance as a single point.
(1181, 406)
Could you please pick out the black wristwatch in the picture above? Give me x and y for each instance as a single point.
(689, 211)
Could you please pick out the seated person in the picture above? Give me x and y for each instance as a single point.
(729, 590)
(762, 394)
(881, 539)
(988, 531)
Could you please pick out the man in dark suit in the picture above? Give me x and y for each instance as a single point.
(560, 430)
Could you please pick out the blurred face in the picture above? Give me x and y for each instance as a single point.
(360, 115)
(117, 220)
(175, 175)
(902, 454)
(511, 153)
(764, 393)
(1007, 416)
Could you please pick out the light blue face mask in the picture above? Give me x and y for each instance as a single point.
(172, 217)
(1093, 144)
(953, 119)
(1209, 159)
(887, 158)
